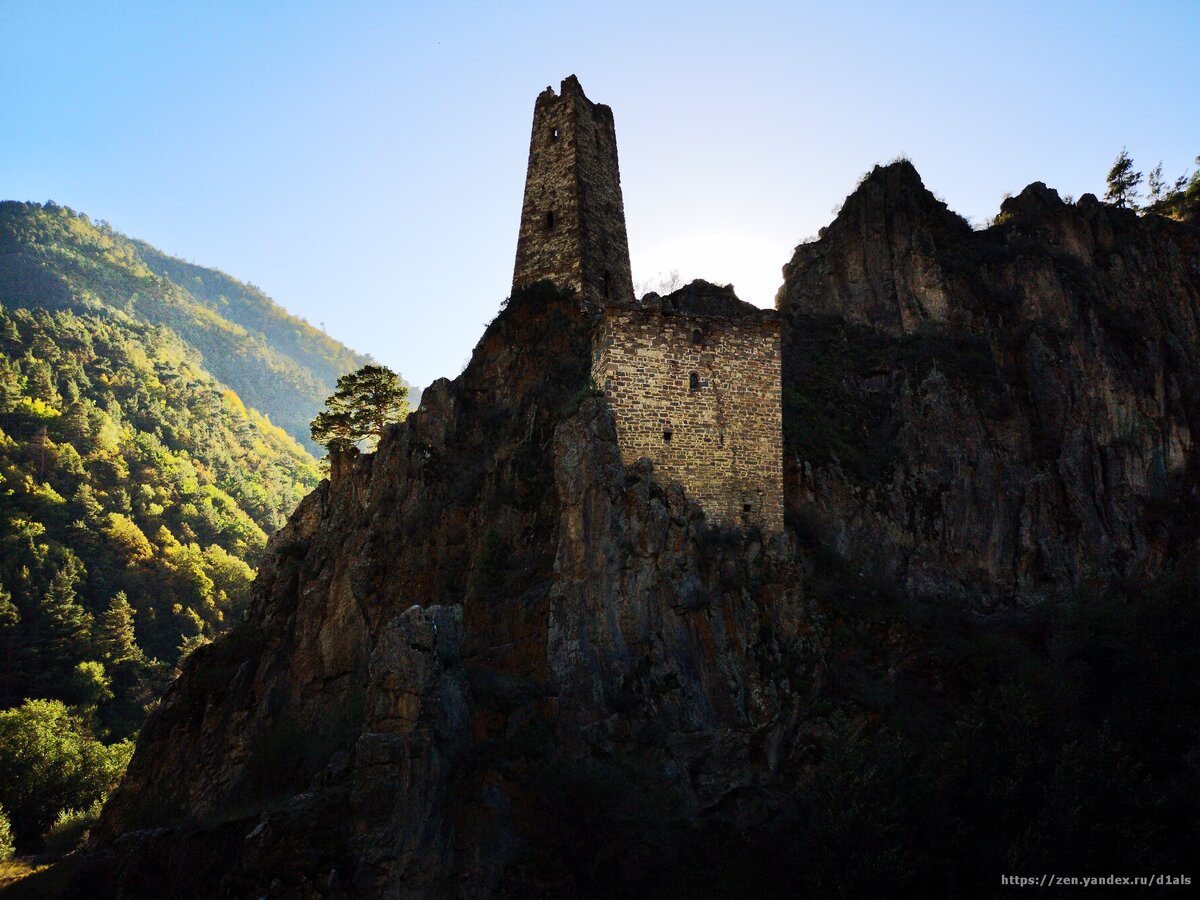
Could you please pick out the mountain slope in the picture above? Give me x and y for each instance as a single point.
(54, 258)
(137, 487)
(247, 306)
(125, 468)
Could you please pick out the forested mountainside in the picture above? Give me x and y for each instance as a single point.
(125, 470)
(54, 258)
(246, 305)
(490, 659)
(137, 488)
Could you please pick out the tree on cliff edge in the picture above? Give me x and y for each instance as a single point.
(364, 404)
(1123, 182)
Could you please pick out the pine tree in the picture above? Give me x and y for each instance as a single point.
(85, 504)
(361, 408)
(115, 637)
(65, 625)
(38, 444)
(75, 427)
(188, 646)
(10, 333)
(12, 384)
(1123, 182)
(1155, 184)
(10, 616)
(41, 383)
(334, 427)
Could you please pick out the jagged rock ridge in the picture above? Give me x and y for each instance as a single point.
(999, 414)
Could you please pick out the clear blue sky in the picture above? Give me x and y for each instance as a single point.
(363, 162)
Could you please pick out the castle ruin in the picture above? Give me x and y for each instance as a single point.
(693, 379)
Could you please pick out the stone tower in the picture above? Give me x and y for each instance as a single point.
(692, 379)
(573, 219)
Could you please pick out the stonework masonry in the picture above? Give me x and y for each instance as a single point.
(693, 379)
(573, 218)
(699, 394)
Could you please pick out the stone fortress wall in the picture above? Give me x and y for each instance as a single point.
(695, 386)
(693, 379)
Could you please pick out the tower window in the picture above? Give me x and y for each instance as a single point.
(745, 507)
(693, 382)
(549, 220)
(697, 336)
(554, 133)
(667, 437)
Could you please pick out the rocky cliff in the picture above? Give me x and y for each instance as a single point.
(490, 660)
(459, 640)
(996, 414)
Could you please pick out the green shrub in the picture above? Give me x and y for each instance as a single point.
(71, 827)
(6, 837)
(50, 761)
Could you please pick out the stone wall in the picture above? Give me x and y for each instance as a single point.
(698, 393)
(573, 218)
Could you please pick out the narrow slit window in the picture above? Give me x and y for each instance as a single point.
(549, 220)
(666, 437)
(554, 133)
(693, 382)
(697, 336)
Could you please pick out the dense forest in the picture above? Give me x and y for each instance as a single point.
(54, 258)
(136, 495)
(138, 486)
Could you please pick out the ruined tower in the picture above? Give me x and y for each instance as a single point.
(692, 379)
(573, 219)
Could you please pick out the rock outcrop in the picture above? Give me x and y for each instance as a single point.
(491, 660)
(996, 414)
(453, 640)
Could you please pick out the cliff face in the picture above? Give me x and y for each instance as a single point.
(490, 659)
(1000, 414)
(455, 642)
